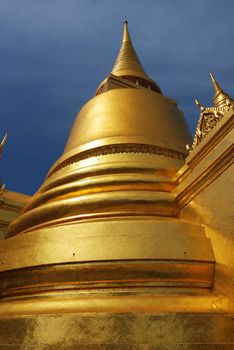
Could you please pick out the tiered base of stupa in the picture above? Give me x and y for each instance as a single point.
(104, 261)
(122, 283)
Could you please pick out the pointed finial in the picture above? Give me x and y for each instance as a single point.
(127, 62)
(128, 65)
(198, 104)
(2, 144)
(217, 88)
(126, 35)
(221, 98)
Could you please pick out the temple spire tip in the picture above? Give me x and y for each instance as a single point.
(217, 88)
(221, 98)
(126, 35)
(128, 65)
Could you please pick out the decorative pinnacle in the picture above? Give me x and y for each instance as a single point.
(127, 62)
(221, 98)
(199, 105)
(126, 35)
(217, 88)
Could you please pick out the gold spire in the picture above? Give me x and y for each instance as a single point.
(126, 35)
(199, 105)
(2, 144)
(127, 62)
(217, 88)
(221, 98)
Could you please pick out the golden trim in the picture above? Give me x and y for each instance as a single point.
(104, 275)
(65, 304)
(119, 148)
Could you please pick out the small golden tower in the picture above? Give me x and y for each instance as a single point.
(221, 98)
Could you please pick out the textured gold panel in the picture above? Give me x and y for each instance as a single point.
(125, 331)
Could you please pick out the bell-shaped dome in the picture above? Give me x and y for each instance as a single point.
(129, 115)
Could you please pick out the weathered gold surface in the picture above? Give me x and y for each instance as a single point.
(118, 332)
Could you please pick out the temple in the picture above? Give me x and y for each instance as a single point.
(128, 243)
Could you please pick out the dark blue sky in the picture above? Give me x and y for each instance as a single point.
(54, 53)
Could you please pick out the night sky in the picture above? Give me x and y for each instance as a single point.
(54, 54)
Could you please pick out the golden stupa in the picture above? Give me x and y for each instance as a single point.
(128, 242)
